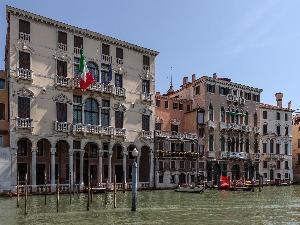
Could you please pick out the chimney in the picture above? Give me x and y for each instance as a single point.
(184, 81)
(193, 78)
(215, 76)
(278, 97)
(289, 105)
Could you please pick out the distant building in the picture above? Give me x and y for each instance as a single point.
(296, 148)
(4, 110)
(276, 141)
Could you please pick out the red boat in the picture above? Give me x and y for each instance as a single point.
(224, 182)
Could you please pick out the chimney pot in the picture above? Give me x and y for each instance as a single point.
(185, 80)
(193, 77)
(278, 97)
(290, 105)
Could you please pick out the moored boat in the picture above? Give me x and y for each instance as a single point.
(190, 189)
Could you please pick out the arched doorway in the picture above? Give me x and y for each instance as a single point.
(62, 161)
(90, 163)
(216, 173)
(24, 159)
(117, 162)
(144, 164)
(43, 161)
(235, 172)
(182, 179)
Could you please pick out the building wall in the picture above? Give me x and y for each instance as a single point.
(295, 148)
(4, 124)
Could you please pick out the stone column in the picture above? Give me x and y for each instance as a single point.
(71, 175)
(82, 114)
(151, 173)
(53, 150)
(109, 166)
(81, 169)
(14, 168)
(99, 178)
(33, 167)
(124, 166)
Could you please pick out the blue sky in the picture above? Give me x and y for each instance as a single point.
(255, 42)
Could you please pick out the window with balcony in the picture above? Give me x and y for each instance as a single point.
(255, 119)
(77, 109)
(24, 60)
(62, 39)
(106, 74)
(265, 147)
(76, 67)
(105, 116)
(210, 88)
(277, 148)
(146, 86)
(166, 104)
(94, 70)
(2, 84)
(223, 115)
(278, 116)
(119, 80)
(265, 129)
(271, 146)
(23, 107)
(119, 53)
(174, 127)
(211, 143)
(146, 60)
(61, 112)
(211, 113)
(2, 111)
(286, 149)
(24, 30)
(146, 122)
(278, 130)
(119, 119)
(265, 115)
(91, 112)
(278, 165)
(105, 49)
(61, 68)
(265, 164)
(78, 42)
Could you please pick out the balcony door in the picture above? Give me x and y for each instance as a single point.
(23, 107)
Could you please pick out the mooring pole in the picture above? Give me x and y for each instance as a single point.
(70, 191)
(26, 180)
(134, 186)
(88, 197)
(18, 194)
(45, 181)
(73, 183)
(106, 190)
(57, 193)
(91, 188)
(252, 184)
(115, 191)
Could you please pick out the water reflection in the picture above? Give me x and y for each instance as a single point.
(274, 205)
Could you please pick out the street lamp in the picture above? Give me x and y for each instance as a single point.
(134, 153)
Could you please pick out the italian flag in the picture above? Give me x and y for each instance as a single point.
(86, 76)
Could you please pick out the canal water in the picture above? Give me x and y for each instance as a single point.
(274, 205)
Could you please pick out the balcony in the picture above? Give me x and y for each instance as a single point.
(93, 129)
(146, 134)
(24, 37)
(107, 89)
(235, 99)
(176, 135)
(62, 47)
(62, 126)
(107, 131)
(211, 124)
(211, 154)
(190, 136)
(25, 123)
(238, 155)
(162, 134)
(224, 155)
(76, 50)
(24, 74)
(147, 97)
(120, 132)
(96, 86)
(119, 91)
(62, 81)
(223, 126)
(106, 59)
(146, 68)
(119, 61)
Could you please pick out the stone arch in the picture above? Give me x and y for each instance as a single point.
(144, 164)
(24, 146)
(43, 161)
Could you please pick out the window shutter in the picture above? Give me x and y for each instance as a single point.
(119, 53)
(105, 49)
(2, 111)
(23, 107)
(78, 42)
(24, 60)
(62, 37)
(24, 26)
(61, 111)
(146, 60)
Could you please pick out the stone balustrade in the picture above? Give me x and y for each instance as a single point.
(24, 74)
(23, 123)
(24, 36)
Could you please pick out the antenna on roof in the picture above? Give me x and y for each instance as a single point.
(171, 90)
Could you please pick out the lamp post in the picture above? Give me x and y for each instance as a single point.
(134, 180)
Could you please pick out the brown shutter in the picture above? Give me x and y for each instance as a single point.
(119, 53)
(146, 60)
(61, 68)
(24, 26)
(78, 42)
(61, 111)
(62, 37)
(23, 107)
(24, 60)
(2, 111)
(105, 49)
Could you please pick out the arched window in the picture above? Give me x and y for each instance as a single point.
(255, 119)
(222, 114)
(233, 145)
(93, 68)
(237, 144)
(271, 146)
(91, 112)
(241, 145)
(211, 113)
(247, 145)
(228, 145)
(222, 144)
(211, 142)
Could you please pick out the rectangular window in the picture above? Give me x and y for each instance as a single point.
(77, 109)
(105, 116)
(2, 111)
(210, 88)
(105, 49)
(222, 90)
(265, 115)
(2, 84)
(118, 80)
(24, 60)
(157, 103)
(200, 117)
(188, 108)
(278, 115)
(256, 98)
(78, 42)
(119, 53)
(174, 128)
(62, 37)
(23, 107)
(247, 96)
(265, 129)
(181, 164)
(61, 112)
(278, 164)
(286, 149)
(175, 105)
(264, 147)
(286, 132)
(278, 130)
(286, 117)
(180, 106)
(146, 86)
(277, 148)
(24, 26)
(76, 67)
(146, 60)
(265, 164)
(146, 122)
(198, 90)
(61, 68)
(167, 106)
(298, 143)
(119, 119)
(157, 126)
(105, 77)
(286, 165)
(173, 163)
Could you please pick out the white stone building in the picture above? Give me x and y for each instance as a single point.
(57, 129)
(276, 141)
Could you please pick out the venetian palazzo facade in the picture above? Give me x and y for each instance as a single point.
(58, 130)
(276, 141)
(225, 117)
